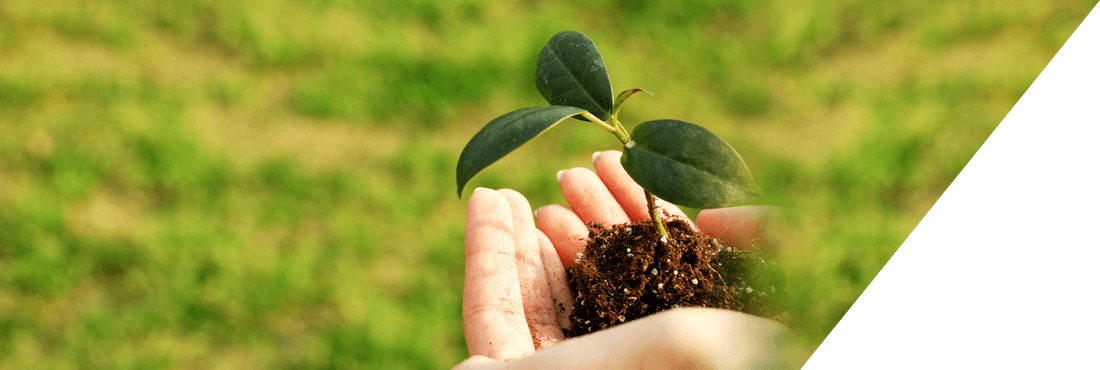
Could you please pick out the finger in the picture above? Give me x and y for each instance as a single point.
(589, 197)
(743, 227)
(492, 307)
(555, 276)
(538, 306)
(630, 195)
(566, 231)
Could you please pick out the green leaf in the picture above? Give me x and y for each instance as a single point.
(570, 72)
(687, 165)
(503, 135)
(619, 100)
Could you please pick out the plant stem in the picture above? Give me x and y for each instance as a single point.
(619, 126)
(596, 120)
(615, 127)
(620, 132)
(655, 213)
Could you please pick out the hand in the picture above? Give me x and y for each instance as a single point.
(516, 301)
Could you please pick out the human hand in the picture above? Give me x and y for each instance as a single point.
(516, 300)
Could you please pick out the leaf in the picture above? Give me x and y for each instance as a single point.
(687, 165)
(504, 134)
(570, 72)
(619, 100)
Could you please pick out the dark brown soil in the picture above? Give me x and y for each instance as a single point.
(627, 273)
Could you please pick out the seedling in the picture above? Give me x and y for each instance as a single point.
(680, 162)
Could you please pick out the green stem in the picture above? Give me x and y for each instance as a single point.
(615, 128)
(655, 214)
(619, 126)
(620, 132)
(598, 121)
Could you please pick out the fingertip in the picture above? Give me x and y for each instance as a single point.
(486, 205)
(545, 210)
(611, 155)
(567, 175)
(515, 198)
(482, 194)
(609, 161)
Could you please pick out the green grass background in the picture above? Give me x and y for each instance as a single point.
(270, 184)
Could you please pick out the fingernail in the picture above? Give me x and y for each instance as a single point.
(478, 188)
(595, 155)
(560, 173)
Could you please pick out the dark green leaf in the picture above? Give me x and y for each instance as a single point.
(619, 100)
(503, 135)
(570, 71)
(687, 165)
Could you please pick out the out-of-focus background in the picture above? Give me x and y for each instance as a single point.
(270, 184)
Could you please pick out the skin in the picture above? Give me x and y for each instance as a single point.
(516, 301)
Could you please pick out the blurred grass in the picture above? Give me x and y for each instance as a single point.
(244, 184)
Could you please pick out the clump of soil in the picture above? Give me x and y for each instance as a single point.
(627, 272)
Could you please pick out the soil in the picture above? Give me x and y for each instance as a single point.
(627, 272)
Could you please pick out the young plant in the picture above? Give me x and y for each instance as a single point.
(683, 163)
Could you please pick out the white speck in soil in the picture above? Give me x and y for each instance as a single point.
(654, 271)
(628, 250)
(622, 319)
(695, 281)
(674, 272)
(660, 285)
(664, 239)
